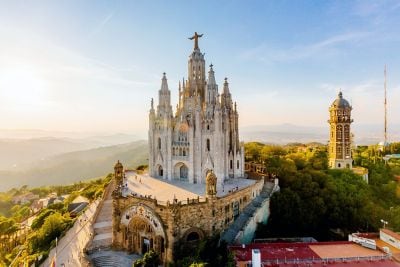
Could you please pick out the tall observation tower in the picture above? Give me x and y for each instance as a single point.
(340, 134)
(384, 143)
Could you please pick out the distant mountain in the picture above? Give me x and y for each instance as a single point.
(17, 152)
(284, 134)
(75, 166)
(365, 134)
(38, 133)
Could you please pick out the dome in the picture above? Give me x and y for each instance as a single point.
(340, 102)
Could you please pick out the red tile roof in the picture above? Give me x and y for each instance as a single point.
(302, 254)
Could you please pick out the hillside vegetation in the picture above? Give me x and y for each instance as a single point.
(30, 246)
(323, 203)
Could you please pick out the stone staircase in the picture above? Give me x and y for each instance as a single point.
(230, 234)
(103, 226)
(109, 258)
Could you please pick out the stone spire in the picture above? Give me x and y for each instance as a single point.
(164, 83)
(164, 97)
(226, 87)
(211, 93)
(211, 77)
(152, 105)
(226, 100)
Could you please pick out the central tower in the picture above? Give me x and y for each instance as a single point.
(202, 135)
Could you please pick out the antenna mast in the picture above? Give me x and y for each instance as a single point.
(385, 109)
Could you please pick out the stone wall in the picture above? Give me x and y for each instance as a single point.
(205, 217)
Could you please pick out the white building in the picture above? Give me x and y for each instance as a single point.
(202, 135)
(390, 237)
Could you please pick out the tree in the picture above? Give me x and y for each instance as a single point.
(150, 259)
(54, 225)
(40, 218)
(253, 151)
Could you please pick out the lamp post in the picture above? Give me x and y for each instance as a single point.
(384, 223)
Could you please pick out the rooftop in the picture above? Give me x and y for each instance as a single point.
(166, 190)
(314, 254)
(391, 233)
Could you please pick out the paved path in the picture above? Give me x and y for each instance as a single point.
(164, 190)
(70, 246)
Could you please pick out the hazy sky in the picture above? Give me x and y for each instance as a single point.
(94, 65)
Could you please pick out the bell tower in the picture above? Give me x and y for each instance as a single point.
(118, 172)
(340, 135)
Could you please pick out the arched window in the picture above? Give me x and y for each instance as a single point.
(208, 144)
(237, 164)
(193, 236)
(159, 143)
(231, 164)
(184, 152)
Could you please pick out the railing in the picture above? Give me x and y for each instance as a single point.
(167, 203)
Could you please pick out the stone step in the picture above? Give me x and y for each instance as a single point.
(102, 236)
(103, 230)
(101, 243)
(102, 224)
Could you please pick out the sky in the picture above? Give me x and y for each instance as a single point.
(93, 66)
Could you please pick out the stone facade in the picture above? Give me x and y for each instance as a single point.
(340, 134)
(143, 223)
(201, 135)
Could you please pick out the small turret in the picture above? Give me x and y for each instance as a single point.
(118, 172)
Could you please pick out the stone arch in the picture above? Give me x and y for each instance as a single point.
(143, 230)
(181, 171)
(159, 171)
(193, 234)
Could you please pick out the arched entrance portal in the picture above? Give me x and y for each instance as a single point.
(181, 171)
(141, 237)
(143, 231)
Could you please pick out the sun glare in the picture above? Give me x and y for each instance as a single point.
(22, 88)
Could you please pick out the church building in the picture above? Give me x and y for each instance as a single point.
(202, 134)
